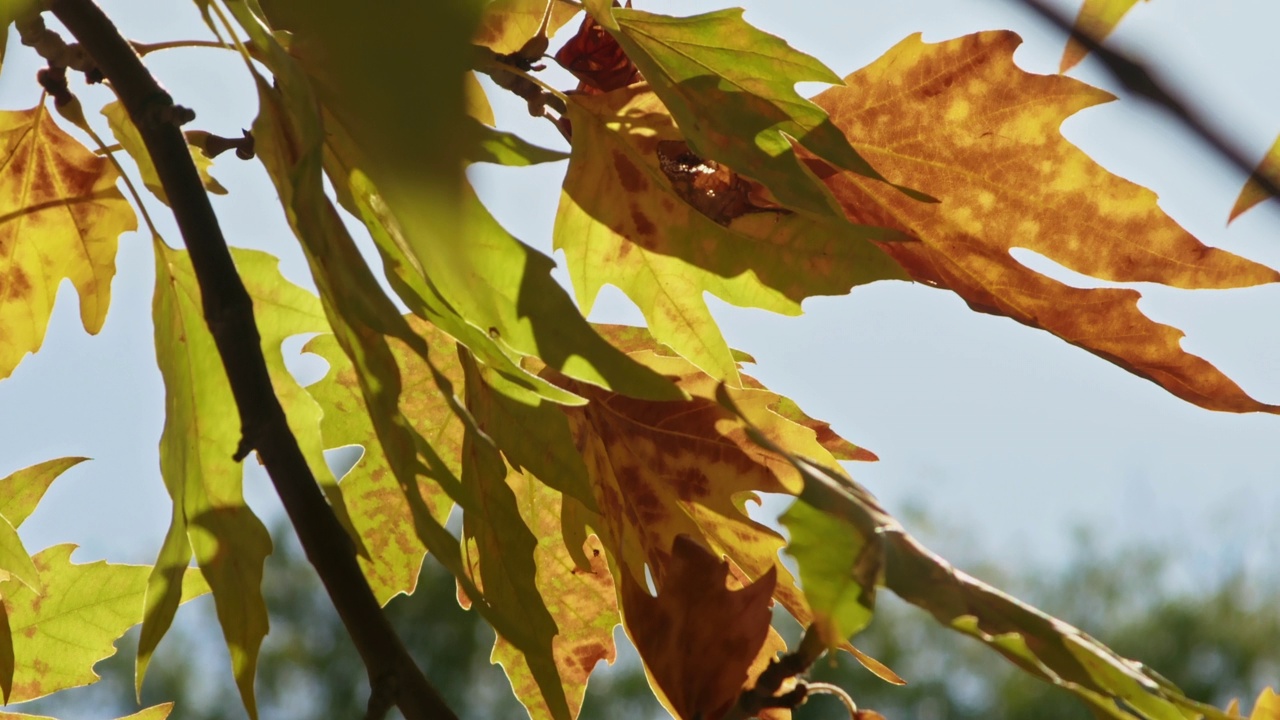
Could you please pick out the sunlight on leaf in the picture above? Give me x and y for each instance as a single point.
(59, 636)
(1096, 20)
(621, 222)
(961, 121)
(731, 89)
(506, 25)
(698, 606)
(127, 135)
(21, 491)
(62, 218)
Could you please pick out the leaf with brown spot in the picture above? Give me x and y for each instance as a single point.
(961, 121)
(698, 637)
(622, 222)
(62, 217)
(377, 506)
(1096, 20)
(1253, 191)
(60, 635)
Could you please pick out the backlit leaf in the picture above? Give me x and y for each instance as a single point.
(1096, 20)
(596, 59)
(1039, 644)
(58, 636)
(698, 637)
(62, 218)
(731, 89)
(378, 508)
(621, 222)
(202, 432)
(506, 25)
(21, 491)
(127, 135)
(1267, 707)
(1253, 191)
(961, 121)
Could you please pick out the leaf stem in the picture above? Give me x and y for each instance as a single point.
(228, 311)
(144, 49)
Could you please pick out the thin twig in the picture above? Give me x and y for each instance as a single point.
(228, 311)
(1140, 80)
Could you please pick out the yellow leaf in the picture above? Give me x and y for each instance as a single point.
(59, 636)
(127, 135)
(506, 25)
(960, 121)
(1253, 192)
(1096, 20)
(62, 218)
(21, 491)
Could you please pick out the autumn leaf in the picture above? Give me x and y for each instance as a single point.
(155, 712)
(1267, 706)
(699, 636)
(127, 135)
(596, 59)
(1041, 645)
(621, 222)
(960, 121)
(60, 635)
(1096, 20)
(731, 89)
(21, 490)
(62, 219)
(1253, 191)
(506, 25)
(202, 432)
(377, 506)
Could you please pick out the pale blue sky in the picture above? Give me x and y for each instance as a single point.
(993, 425)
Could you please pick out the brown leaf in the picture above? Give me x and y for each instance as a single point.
(596, 59)
(710, 187)
(698, 637)
(960, 121)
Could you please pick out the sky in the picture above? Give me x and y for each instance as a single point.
(1005, 432)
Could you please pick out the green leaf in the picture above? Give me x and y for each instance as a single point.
(504, 148)
(59, 636)
(14, 559)
(622, 222)
(127, 135)
(21, 491)
(838, 571)
(731, 89)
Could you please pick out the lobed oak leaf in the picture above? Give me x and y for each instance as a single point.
(62, 218)
(1253, 191)
(60, 635)
(731, 89)
(621, 221)
(961, 121)
(698, 637)
(1096, 20)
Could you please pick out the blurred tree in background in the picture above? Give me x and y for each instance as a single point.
(1222, 645)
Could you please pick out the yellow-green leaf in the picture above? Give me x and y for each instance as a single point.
(155, 712)
(379, 511)
(622, 222)
(202, 432)
(62, 219)
(731, 89)
(127, 135)
(14, 559)
(1096, 20)
(59, 636)
(1253, 191)
(506, 25)
(21, 491)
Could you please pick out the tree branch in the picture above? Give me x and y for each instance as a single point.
(228, 311)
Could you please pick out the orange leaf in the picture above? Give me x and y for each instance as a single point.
(1096, 20)
(698, 638)
(596, 59)
(960, 121)
(60, 217)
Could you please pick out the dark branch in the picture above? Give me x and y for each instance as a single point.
(228, 311)
(1138, 79)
